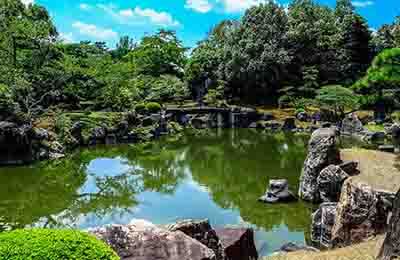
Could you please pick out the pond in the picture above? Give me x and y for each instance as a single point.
(218, 176)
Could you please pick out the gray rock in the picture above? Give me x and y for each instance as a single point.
(350, 167)
(76, 132)
(202, 232)
(144, 241)
(98, 135)
(322, 151)
(278, 191)
(289, 124)
(238, 243)
(387, 148)
(323, 221)
(391, 245)
(395, 132)
(330, 182)
(362, 213)
(351, 125)
(292, 247)
(302, 116)
(266, 116)
(40, 134)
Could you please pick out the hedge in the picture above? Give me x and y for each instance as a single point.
(52, 244)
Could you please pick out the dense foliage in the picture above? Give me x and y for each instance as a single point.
(338, 99)
(52, 245)
(270, 54)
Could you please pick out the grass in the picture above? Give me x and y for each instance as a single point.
(364, 251)
(375, 128)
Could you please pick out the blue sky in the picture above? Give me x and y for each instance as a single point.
(107, 20)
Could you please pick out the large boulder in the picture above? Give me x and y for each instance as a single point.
(144, 241)
(362, 213)
(330, 182)
(323, 221)
(238, 243)
(391, 245)
(202, 232)
(278, 191)
(322, 151)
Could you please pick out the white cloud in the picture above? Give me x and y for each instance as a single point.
(27, 2)
(234, 6)
(85, 7)
(94, 31)
(67, 37)
(139, 16)
(201, 6)
(362, 3)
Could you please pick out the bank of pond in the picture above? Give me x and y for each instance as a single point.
(217, 176)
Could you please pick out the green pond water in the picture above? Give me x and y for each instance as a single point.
(218, 176)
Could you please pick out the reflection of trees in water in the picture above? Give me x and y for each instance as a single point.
(236, 179)
(229, 165)
(51, 193)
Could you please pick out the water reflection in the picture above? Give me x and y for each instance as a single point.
(217, 176)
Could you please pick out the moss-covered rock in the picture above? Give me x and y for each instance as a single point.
(52, 244)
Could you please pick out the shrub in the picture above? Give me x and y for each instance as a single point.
(153, 107)
(284, 101)
(140, 108)
(53, 244)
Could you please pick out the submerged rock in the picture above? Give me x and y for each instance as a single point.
(278, 191)
(391, 245)
(202, 232)
(144, 241)
(323, 221)
(322, 151)
(362, 213)
(238, 243)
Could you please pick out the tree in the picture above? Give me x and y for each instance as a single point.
(388, 36)
(124, 46)
(312, 40)
(159, 54)
(339, 99)
(356, 44)
(254, 59)
(384, 74)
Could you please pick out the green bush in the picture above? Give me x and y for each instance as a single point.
(153, 107)
(50, 244)
(284, 101)
(140, 108)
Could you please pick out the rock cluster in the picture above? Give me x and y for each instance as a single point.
(185, 240)
(362, 212)
(322, 152)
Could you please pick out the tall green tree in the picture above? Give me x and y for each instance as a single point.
(383, 75)
(159, 54)
(255, 59)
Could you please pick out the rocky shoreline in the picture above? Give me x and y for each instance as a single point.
(349, 211)
(184, 240)
(24, 143)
